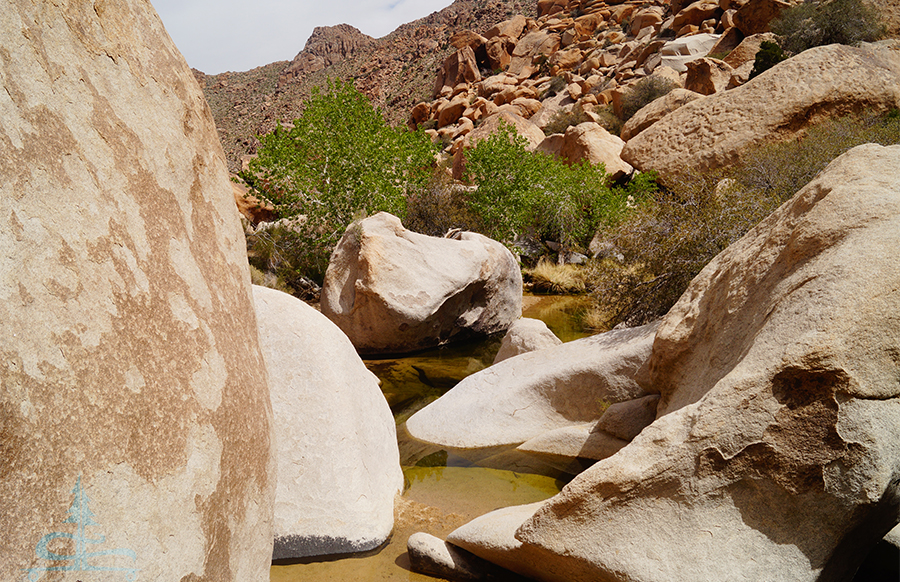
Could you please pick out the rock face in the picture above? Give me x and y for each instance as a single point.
(656, 110)
(523, 397)
(326, 46)
(774, 454)
(134, 393)
(338, 462)
(395, 291)
(712, 132)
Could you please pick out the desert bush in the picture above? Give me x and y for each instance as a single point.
(768, 55)
(817, 23)
(549, 277)
(440, 207)
(673, 234)
(518, 191)
(562, 120)
(642, 93)
(338, 160)
(609, 120)
(557, 84)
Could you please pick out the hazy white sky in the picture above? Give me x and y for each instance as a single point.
(237, 35)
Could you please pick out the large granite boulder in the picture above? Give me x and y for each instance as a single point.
(656, 110)
(395, 291)
(338, 462)
(135, 423)
(534, 393)
(775, 453)
(712, 132)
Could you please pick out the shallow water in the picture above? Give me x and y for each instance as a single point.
(442, 492)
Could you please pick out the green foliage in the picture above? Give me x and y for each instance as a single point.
(673, 234)
(339, 159)
(519, 191)
(768, 55)
(817, 23)
(643, 92)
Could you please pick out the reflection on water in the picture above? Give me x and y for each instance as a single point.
(561, 313)
(442, 491)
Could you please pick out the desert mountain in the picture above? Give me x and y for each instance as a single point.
(396, 71)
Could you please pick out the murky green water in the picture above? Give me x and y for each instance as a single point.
(439, 498)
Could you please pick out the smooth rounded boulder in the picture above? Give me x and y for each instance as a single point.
(392, 290)
(525, 396)
(774, 453)
(337, 457)
(135, 423)
(526, 335)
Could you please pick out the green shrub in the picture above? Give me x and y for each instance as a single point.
(339, 159)
(768, 55)
(519, 191)
(562, 120)
(817, 23)
(672, 235)
(643, 92)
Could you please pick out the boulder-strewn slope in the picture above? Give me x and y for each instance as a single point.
(819, 83)
(395, 71)
(134, 406)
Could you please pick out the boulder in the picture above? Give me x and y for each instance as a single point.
(656, 110)
(625, 420)
(730, 39)
(396, 291)
(676, 53)
(459, 67)
(534, 44)
(522, 397)
(526, 335)
(583, 441)
(492, 537)
(695, 13)
(498, 50)
(590, 141)
(337, 457)
(711, 132)
(773, 455)
(754, 16)
(511, 28)
(435, 557)
(135, 424)
(746, 51)
(707, 76)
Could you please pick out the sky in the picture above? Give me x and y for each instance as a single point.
(237, 35)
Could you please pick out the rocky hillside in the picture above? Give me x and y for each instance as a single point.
(584, 63)
(396, 71)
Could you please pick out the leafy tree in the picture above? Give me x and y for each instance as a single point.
(518, 191)
(339, 160)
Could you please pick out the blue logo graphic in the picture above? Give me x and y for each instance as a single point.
(79, 514)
